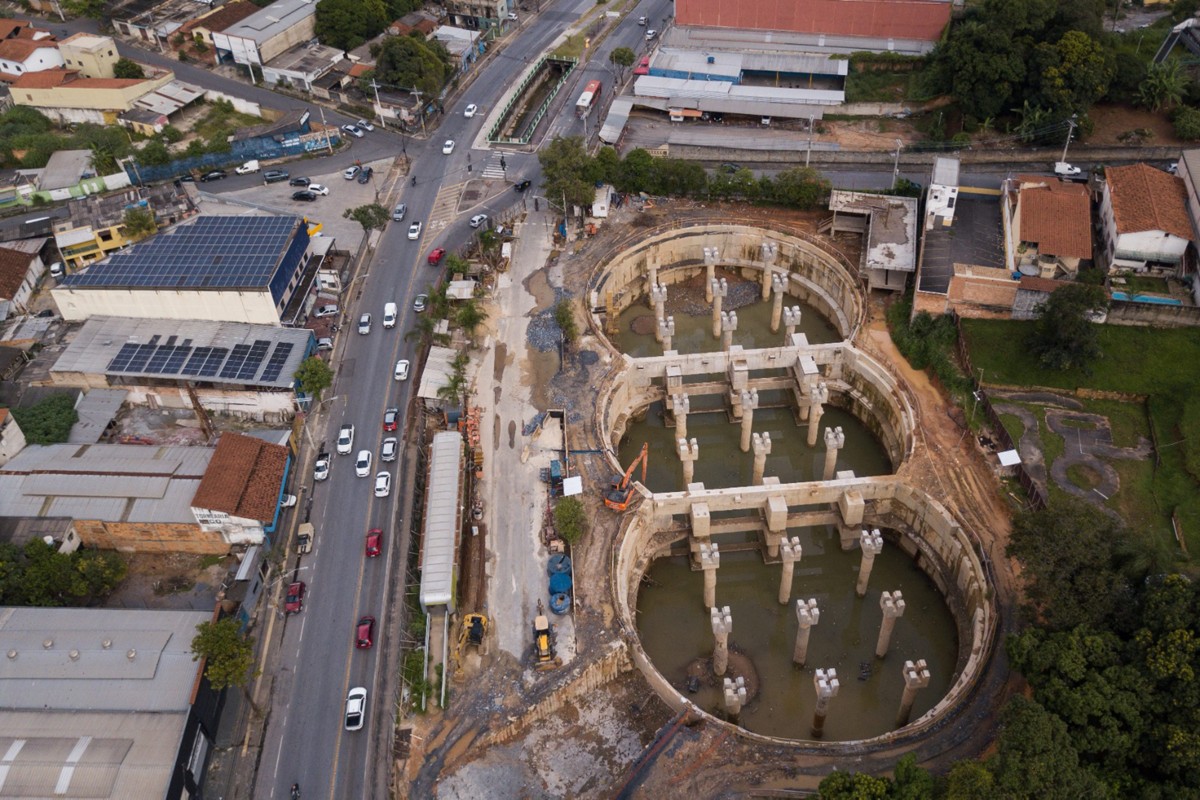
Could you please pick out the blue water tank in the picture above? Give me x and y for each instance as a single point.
(559, 562)
(560, 582)
(559, 603)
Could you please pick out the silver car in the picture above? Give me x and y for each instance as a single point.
(364, 324)
(387, 450)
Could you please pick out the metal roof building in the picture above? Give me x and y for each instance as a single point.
(443, 521)
(103, 703)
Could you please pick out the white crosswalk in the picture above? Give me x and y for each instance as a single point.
(493, 169)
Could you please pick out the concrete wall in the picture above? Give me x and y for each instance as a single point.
(90, 98)
(223, 306)
(150, 537)
(1124, 312)
(923, 528)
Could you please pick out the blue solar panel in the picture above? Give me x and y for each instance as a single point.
(138, 362)
(278, 359)
(197, 360)
(121, 360)
(254, 360)
(236, 359)
(213, 362)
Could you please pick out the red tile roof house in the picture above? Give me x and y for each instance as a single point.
(1051, 226)
(19, 275)
(242, 489)
(1144, 216)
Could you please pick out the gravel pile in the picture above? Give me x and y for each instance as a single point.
(688, 297)
(543, 333)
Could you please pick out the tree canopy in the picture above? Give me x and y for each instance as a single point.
(346, 24)
(47, 422)
(372, 217)
(412, 63)
(230, 656)
(139, 223)
(38, 575)
(125, 68)
(1063, 335)
(314, 375)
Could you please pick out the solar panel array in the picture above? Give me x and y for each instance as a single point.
(242, 363)
(212, 253)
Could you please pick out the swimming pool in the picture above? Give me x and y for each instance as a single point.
(1147, 298)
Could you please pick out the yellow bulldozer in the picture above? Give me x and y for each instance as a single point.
(472, 632)
(544, 657)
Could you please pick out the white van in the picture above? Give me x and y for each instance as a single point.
(250, 166)
(389, 315)
(56, 269)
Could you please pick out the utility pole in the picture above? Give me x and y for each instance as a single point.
(811, 119)
(1070, 131)
(378, 105)
(325, 128)
(896, 168)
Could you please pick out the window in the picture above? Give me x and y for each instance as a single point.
(106, 236)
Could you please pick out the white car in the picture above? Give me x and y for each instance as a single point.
(478, 220)
(356, 708)
(414, 231)
(317, 188)
(387, 451)
(345, 440)
(383, 484)
(321, 468)
(362, 464)
(362, 124)
(389, 315)
(402, 369)
(353, 131)
(351, 172)
(448, 147)
(650, 34)
(364, 324)
(470, 110)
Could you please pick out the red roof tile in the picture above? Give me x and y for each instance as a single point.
(46, 79)
(358, 70)
(10, 27)
(1148, 199)
(14, 266)
(1058, 218)
(922, 20)
(20, 49)
(1033, 283)
(243, 478)
(225, 16)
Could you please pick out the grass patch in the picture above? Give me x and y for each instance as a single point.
(221, 121)
(1014, 425)
(571, 48)
(878, 86)
(1142, 283)
(210, 561)
(1083, 476)
(1128, 421)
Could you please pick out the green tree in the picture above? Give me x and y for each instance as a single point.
(469, 316)
(103, 160)
(139, 223)
(1036, 758)
(982, 66)
(853, 786)
(100, 570)
(171, 134)
(1164, 85)
(970, 780)
(1063, 336)
(801, 187)
(411, 62)
(1076, 74)
(570, 519)
(371, 216)
(228, 655)
(314, 376)
(345, 24)
(47, 422)
(1037, 123)
(1187, 123)
(48, 577)
(637, 172)
(565, 165)
(154, 153)
(128, 70)
(910, 782)
(84, 8)
(622, 58)
(564, 317)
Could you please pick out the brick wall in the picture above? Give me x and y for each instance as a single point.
(150, 537)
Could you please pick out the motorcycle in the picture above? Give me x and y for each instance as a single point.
(414, 180)
(295, 791)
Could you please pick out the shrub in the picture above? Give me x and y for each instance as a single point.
(570, 519)
(48, 422)
(1187, 123)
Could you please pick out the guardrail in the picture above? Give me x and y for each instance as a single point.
(517, 96)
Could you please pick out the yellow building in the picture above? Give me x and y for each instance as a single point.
(86, 243)
(91, 55)
(67, 96)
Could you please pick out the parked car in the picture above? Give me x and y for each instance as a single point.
(326, 311)
(301, 182)
(356, 708)
(399, 211)
(730, 167)
(353, 131)
(304, 196)
(651, 34)
(186, 178)
(363, 125)
(274, 176)
(289, 501)
(436, 255)
(294, 602)
(478, 220)
(387, 450)
(364, 174)
(321, 468)
(304, 538)
(523, 185)
(350, 172)
(250, 166)
(383, 484)
(414, 231)
(364, 324)
(448, 147)
(512, 16)
(362, 464)
(345, 440)
(324, 343)
(214, 175)
(419, 302)
(470, 110)
(391, 419)
(374, 542)
(389, 315)
(317, 188)
(402, 369)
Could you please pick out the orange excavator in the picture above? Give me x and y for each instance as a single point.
(620, 491)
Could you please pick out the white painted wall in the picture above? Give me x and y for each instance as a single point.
(77, 305)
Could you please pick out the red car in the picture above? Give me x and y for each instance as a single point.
(436, 256)
(294, 603)
(374, 542)
(390, 419)
(364, 633)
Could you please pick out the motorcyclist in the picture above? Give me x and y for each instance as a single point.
(414, 180)
(295, 791)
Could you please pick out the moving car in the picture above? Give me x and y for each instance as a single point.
(389, 315)
(402, 369)
(364, 324)
(383, 484)
(651, 34)
(213, 175)
(321, 468)
(345, 440)
(274, 176)
(356, 708)
(478, 220)
(391, 418)
(362, 464)
(328, 310)
(436, 255)
(364, 174)
(642, 21)
(399, 211)
(317, 188)
(350, 172)
(294, 602)
(301, 182)
(363, 125)
(353, 131)
(304, 196)
(364, 633)
(374, 542)
(245, 169)
(448, 147)
(414, 231)
(419, 302)
(523, 185)
(470, 110)
(387, 450)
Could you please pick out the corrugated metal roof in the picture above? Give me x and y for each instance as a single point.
(96, 409)
(614, 122)
(443, 507)
(765, 100)
(945, 171)
(96, 485)
(436, 372)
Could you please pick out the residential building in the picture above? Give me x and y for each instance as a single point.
(245, 371)
(66, 96)
(232, 269)
(262, 36)
(1145, 221)
(301, 66)
(1050, 224)
(20, 531)
(413, 21)
(95, 226)
(24, 49)
(201, 29)
(105, 703)
(21, 268)
(242, 490)
(64, 169)
(12, 439)
(463, 45)
(90, 54)
(478, 15)
(154, 22)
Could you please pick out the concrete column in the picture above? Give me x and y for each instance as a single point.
(769, 252)
(710, 562)
(729, 324)
(789, 554)
(651, 271)
(777, 285)
(711, 257)
(817, 399)
(722, 625)
(689, 451)
(658, 299)
(807, 615)
(791, 321)
(749, 403)
(666, 330)
(735, 697)
(681, 404)
(834, 440)
(892, 605)
(916, 676)
(871, 543)
(719, 289)
(825, 681)
(761, 442)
